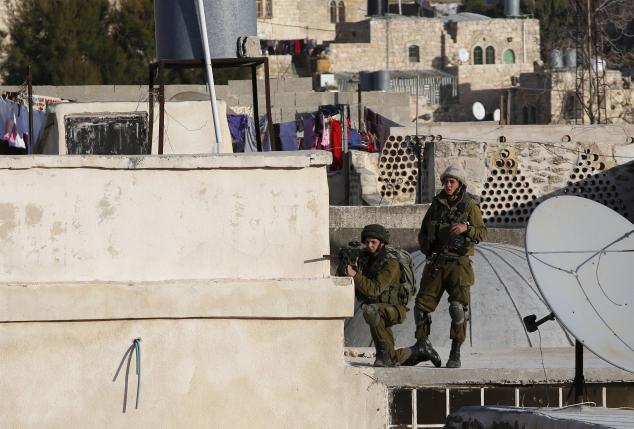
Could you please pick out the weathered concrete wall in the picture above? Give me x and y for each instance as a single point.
(513, 168)
(111, 218)
(188, 126)
(202, 257)
(288, 97)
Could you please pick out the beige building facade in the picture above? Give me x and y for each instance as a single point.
(413, 43)
(306, 19)
(549, 97)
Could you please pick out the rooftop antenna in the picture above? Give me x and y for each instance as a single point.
(202, 22)
(585, 278)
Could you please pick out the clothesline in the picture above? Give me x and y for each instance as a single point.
(327, 129)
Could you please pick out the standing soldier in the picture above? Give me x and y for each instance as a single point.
(450, 229)
(383, 282)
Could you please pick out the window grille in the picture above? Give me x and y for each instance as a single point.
(477, 55)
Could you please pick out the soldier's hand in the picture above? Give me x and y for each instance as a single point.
(350, 271)
(458, 229)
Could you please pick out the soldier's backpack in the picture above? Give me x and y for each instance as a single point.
(401, 293)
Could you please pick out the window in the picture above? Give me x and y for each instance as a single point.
(414, 54)
(342, 12)
(490, 54)
(269, 8)
(572, 106)
(529, 114)
(333, 12)
(259, 7)
(509, 56)
(477, 55)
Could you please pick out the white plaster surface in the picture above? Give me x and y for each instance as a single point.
(215, 262)
(113, 223)
(227, 373)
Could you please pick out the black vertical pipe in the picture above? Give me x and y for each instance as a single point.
(256, 110)
(151, 109)
(579, 380)
(29, 149)
(267, 88)
(161, 106)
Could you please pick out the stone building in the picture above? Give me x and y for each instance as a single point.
(483, 53)
(301, 19)
(549, 97)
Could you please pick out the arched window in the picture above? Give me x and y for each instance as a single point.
(477, 55)
(414, 54)
(333, 12)
(490, 55)
(342, 12)
(259, 7)
(509, 56)
(269, 8)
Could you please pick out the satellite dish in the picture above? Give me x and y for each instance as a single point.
(496, 115)
(478, 110)
(463, 55)
(585, 276)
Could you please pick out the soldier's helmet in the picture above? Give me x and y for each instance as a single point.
(376, 231)
(457, 172)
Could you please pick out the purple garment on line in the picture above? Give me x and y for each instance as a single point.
(309, 133)
(288, 136)
(238, 125)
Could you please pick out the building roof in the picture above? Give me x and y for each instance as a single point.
(464, 16)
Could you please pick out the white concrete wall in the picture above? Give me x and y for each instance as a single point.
(215, 262)
(189, 126)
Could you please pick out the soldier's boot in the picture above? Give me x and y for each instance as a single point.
(454, 355)
(427, 352)
(382, 356)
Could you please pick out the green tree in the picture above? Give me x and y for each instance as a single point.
(132, 29)
(64, 41)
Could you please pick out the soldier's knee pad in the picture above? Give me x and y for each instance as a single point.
(421, 317)
(371, 315)
(457, 312)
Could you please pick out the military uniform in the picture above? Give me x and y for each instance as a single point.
(448, 265)
(381, 310)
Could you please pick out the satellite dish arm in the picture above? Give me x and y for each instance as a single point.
(531, 323)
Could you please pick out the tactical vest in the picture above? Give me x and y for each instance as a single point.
(443, 218)
(398, 293)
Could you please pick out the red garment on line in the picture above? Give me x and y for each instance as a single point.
(335, 145)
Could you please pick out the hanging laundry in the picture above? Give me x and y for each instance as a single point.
(335, 145)
(238, 126)
(355, 139)
(288, 136)
(309, 133)
(379, 126)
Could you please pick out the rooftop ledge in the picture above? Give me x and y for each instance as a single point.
(318, 298)
(292, 160)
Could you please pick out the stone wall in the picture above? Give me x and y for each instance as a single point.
(513, 168)
(481, 83)
(288, 97)
(310, 19)
(552, 94)
(391, 37)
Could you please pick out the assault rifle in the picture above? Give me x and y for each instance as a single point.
(353, 254)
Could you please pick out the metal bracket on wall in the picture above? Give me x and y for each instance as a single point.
(253, 63)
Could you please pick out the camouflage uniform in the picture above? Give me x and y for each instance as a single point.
(448, 265)
(371, 286)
